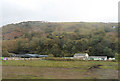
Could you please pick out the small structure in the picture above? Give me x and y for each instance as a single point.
(68, 57)
(97, 58)
(111, 59)
(29, 55)
(113, 26)
(82, 56)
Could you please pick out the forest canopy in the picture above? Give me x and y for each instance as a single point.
(62, 39)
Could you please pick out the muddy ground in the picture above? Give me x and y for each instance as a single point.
(27, 72)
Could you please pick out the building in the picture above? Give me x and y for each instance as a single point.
(82, 56)
(68, 57)
(97, 58)
(113, 26)
(29, 55)
(111, 59)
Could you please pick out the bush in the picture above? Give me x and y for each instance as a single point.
(5, 53)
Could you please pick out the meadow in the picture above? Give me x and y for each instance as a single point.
(48, 69)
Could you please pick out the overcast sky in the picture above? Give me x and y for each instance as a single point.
(59, 11)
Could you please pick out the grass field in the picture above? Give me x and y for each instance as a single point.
(46, 69)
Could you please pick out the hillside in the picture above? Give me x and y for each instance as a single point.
(60, 38)
(12, 31)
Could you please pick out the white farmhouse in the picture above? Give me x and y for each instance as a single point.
(82, 56)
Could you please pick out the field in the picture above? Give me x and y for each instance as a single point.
(46, 69)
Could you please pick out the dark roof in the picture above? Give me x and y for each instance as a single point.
(30, 55)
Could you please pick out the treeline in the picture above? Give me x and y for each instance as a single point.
(64, 41)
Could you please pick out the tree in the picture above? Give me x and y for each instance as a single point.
(5, 53)
(108, 52)
(117, 57)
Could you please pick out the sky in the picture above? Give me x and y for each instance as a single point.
(14, 11)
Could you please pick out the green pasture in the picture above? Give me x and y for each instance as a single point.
(64, 64)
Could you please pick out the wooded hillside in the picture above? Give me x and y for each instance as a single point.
(60, 39)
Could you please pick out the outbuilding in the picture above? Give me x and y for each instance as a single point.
(97, 58)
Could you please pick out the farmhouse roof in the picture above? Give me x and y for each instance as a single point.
(80, 54)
